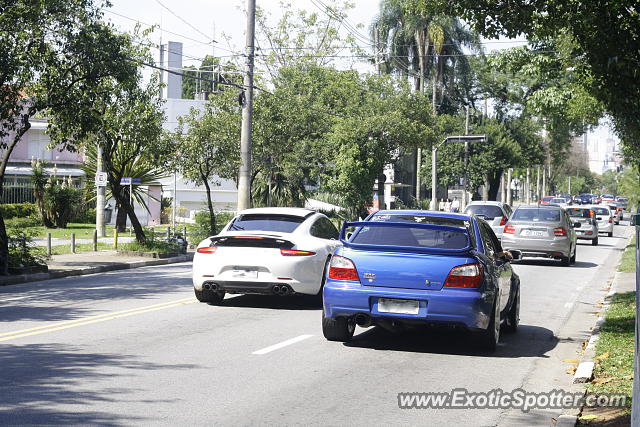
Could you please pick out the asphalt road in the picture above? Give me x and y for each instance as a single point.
(135, 347)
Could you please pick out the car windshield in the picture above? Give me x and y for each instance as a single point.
(601, 211)
(559, 200)
(487, 211)
(546, 199)
(536, 215)
(579, 212)
(266, 222)
(415, 236)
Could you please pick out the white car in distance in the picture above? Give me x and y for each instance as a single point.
(277, 251)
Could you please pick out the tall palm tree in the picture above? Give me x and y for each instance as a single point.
(425, 47)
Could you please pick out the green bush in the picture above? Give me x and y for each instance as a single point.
(85, 216)
(201, 229)
(61, 203)
(155, 246)
(18, 210)
(22, 251)
(16, 224)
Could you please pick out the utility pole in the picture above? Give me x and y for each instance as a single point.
(465, 202)
(538, 190)
(544, 180)
(244, 176)
(508, 187)
(100, 197)
(528, 188)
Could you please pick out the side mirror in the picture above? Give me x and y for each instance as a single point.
(349, 234)
(577, 225)
(515, 254)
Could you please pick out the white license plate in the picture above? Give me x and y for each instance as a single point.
(533, 233)
(400, 306)
(245, 274)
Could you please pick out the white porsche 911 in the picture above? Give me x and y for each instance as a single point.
(278, 251)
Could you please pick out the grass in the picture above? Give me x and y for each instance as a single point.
(614, 351)
(155, 246)
(628, 261)
(82, 231)
(84, 247)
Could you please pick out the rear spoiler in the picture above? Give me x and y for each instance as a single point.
(443, 251)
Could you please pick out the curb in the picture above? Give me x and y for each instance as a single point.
(57, 274)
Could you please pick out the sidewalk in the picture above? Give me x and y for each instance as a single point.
(90, 263)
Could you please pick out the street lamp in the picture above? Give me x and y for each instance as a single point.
(434, 163)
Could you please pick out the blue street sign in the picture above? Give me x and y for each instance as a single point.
(127, 180)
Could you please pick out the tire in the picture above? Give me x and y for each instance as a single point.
(610, 234)
(594, 242)
(573, 257)
(488, 338)
(210, 297)
(513, 317)
(565, 261)
(339, 329)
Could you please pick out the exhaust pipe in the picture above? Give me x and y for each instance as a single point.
(276, 289)
(206, 286)
(284, 290)
(214, 286)
(363, 320)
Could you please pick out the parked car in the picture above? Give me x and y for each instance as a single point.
(543, 231)
(584, 223)
(545, 200)
(495, 213)
(605, 219)
(279, 251)
(407, 267)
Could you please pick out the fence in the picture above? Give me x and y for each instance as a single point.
(19, 189)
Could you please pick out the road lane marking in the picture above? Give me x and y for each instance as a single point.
(282, 344)
(91, 319)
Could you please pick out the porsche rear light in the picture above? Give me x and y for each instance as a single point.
(465, 276)
(295, 252)
(504, 220)
(509, 229)
(207, 250)
(342, 268)
(560, 232)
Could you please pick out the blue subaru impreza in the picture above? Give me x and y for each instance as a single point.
(401, 267)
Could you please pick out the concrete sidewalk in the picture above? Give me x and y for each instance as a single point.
(90, 263)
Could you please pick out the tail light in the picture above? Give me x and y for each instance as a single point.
(295, 252)
(610, 220)
(509, 229)
(560, 232)
(503, 221)
(465, 276)
(342, 268)
(207, 250)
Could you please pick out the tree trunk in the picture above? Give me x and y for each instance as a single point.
(135, 223)
(212, 214)
(121, 220)
(4, 239)
(494, 185)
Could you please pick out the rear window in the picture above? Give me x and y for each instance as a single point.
(578, 213)
(266, 222)
(414, 236)
(559, 200)
(601, 211)
(535, 215)
(487, 211)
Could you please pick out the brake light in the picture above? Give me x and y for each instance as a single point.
(295, 252)
(560, 232)
(207, 250)
(465, 276)
(509, 229)
(503, 221)
(610, 220)
(342, 268)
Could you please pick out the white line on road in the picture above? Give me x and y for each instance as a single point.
(282, 344)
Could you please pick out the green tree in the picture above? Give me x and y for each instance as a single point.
(45, 68)
(207, 143)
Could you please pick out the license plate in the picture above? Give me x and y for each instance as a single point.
(245, 274)
(400, 306)
(533, 233)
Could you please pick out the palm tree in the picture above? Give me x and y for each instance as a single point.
(427, 48)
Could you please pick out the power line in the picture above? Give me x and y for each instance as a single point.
(185, 21)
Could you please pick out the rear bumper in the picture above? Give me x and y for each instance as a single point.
(463, 307)
(538, 247)
(606, 227)
(585, 236)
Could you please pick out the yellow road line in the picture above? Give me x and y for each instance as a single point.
(92, 319)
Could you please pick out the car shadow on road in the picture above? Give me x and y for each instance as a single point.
(529, 341)
(554, 263)
(50, 384)
(292, 302)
